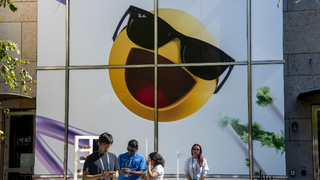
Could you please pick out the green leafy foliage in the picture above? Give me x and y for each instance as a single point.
(9, 64)
(266, 138)
(264, 96)
(4, 3)
(7, 69)
(2, 135)
(248, 166)
(5, 111)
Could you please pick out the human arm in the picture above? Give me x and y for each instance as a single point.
(188, 177)
(86, 176)
(186, 170)
(114, 175)
(90, 171)
(150, 174)
(135, 173)
(143, 176)
(203, 175)
(116, 168)
(121, 170)
(137, 170)
(142, 166)
(137, 166)
(205, 169)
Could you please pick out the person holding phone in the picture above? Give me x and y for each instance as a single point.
(196, 167)
(157, 162)
(132, 163)
(101, 164)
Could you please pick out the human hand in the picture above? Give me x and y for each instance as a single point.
(143, 177)
(122, 171)
(111, 174)
(149, 162)
(127, 171)
(104, 175)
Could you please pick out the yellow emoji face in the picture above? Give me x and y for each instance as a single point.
(180, 92)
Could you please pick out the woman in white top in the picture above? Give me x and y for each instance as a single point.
(157, 172)
(196, 167)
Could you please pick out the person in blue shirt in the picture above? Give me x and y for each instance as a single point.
(132, 164)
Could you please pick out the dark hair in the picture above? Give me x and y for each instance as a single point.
(106, 138)
(200, 158)
(133, 143)
(157, 158)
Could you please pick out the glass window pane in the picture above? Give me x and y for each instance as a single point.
(91, 39)
(266, 31)
(51, 24)
(19, 176)
(49, 145)
(202, 117)
(21, 141)
(268, 119)
(209, 21)
(116, 102)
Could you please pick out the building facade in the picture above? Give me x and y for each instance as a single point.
(21, 28)
(301, 48)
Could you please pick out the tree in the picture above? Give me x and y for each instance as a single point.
(9, 64)
(1, 135)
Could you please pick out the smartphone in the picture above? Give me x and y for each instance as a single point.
(111, 172)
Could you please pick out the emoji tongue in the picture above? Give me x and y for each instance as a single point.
(145, 95)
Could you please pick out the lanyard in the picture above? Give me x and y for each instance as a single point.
(131, 161)
(102, 162)
(193, 168)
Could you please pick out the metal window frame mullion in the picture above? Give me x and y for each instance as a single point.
(67, 69)
(156, 75)
(249, 58)
(65, 161)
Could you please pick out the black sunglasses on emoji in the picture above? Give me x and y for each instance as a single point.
(140, 30)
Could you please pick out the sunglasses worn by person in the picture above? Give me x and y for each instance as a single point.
(130, 150)
(140, 30)
(196, 149)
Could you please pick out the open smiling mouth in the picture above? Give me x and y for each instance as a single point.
(174, 83)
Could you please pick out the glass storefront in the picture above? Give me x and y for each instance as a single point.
(19, 145)
(218, 82)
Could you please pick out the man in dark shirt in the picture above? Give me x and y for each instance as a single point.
(101, 164)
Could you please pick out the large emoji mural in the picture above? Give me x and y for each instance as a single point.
(182, 38)
(195, 41)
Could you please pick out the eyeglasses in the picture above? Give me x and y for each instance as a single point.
(196, 149)
(140, 30)
(105, 146)
(131, 150)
